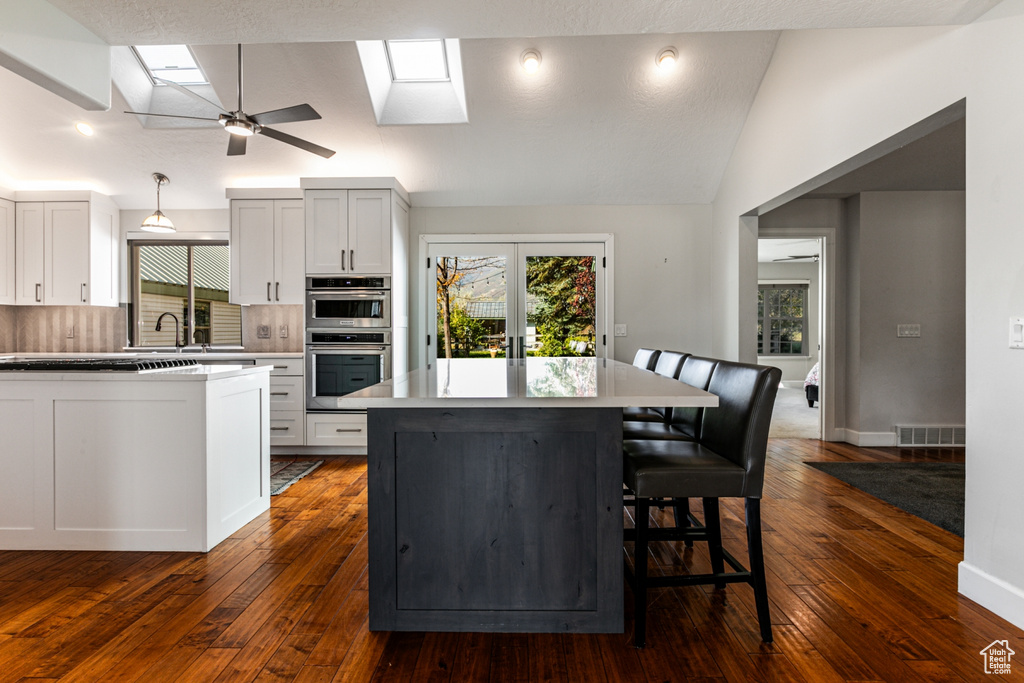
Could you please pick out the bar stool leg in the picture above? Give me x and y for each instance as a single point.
(713, 524)
(681, 510)
(757, 576)
(643, 511)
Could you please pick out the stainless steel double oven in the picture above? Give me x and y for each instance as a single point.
(348, 337)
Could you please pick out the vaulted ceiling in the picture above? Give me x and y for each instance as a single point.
(598, 124)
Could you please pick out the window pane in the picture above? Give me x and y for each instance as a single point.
(561, 300)
(163, 271)
(418, 60)
(217, 321)
(171, 62)
(471, 290)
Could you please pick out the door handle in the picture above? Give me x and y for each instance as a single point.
(343, 259)
(268, 292)
(348, 430)
(352, 259)
(277, 291)
(39, 291)
(522, 347)
(83, 292)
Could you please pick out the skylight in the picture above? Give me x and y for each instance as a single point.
(417, 60)
(171, 62)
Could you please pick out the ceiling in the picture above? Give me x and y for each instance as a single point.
(598, 124)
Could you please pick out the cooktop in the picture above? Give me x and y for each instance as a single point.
(96, 364)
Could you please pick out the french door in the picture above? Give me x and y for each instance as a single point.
(516, 299)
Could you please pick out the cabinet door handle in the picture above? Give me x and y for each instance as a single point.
(39, 291)
(268, 292)
(343, 259)
(280, 367)
(278, 393)
(351, 259)
(279, 429)
(83, 292)
(277, 291)
(348, 430)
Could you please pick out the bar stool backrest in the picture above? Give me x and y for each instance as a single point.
(696, 372)
(738, 428)
(646, 359)
(670, 363)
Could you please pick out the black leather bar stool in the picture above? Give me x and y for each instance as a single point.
(669, 364)
(683, 423)
(727, 462)
(646, 358)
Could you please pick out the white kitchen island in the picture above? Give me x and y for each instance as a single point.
(165, 460)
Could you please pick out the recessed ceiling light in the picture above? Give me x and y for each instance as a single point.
(84, 128)
(667, 59)
(530, 61)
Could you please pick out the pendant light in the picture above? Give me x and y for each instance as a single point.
(158, 222)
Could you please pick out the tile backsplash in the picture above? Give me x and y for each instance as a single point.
(273, 318)
(101, 329)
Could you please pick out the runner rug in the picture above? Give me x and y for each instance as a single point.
(284, 473)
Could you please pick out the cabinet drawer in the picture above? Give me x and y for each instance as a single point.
(283, 366)
(336, 429)
(286, 393)
(287, 428)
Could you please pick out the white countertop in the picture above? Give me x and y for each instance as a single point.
(191, 373)
(529, 383)
(198, 355)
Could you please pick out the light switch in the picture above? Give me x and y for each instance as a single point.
(1017, 333)
(71, 331)
(620, 330)
(283, 332)
(908, 330)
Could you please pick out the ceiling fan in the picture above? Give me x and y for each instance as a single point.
(242, 125)
(802, 257)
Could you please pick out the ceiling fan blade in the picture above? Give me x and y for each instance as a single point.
(171, 116)
(300, 112)
(297, 142)
(191, 94)
(236, 145)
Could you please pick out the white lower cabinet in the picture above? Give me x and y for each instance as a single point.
(336, 429)
(287, 401)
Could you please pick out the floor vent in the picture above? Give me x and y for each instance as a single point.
(909, 435)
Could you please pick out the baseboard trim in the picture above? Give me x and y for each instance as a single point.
(994, 594)
(868, 439)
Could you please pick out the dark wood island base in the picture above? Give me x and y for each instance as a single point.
(495, 519)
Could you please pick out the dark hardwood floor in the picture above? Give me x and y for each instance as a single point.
(860, 592)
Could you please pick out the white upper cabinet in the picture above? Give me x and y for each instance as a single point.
(267, 253)
(348, 232)
(7, 271)
(67, 253)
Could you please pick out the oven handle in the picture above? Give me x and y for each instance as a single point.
(346, 348)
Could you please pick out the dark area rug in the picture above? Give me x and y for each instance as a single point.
(284, 473)
(933, 491)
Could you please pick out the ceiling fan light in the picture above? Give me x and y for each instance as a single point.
(239, 127)
(158, 222)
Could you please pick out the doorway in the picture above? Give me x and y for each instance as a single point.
(515, 299)
(794, 314)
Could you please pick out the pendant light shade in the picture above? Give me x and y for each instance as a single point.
(158, 222)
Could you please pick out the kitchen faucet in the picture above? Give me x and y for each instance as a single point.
(177, 329)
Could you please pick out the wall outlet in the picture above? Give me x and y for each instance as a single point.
(263, 331)
(908, 330)
(283, 332)
(71, 331)
(620, 330)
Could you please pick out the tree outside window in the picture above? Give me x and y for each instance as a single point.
(781, 319)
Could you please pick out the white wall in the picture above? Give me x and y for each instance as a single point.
(906, 266)
(662, 264)
(829, 95)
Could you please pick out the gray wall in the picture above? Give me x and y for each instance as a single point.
(906, 264)
(662, 264)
